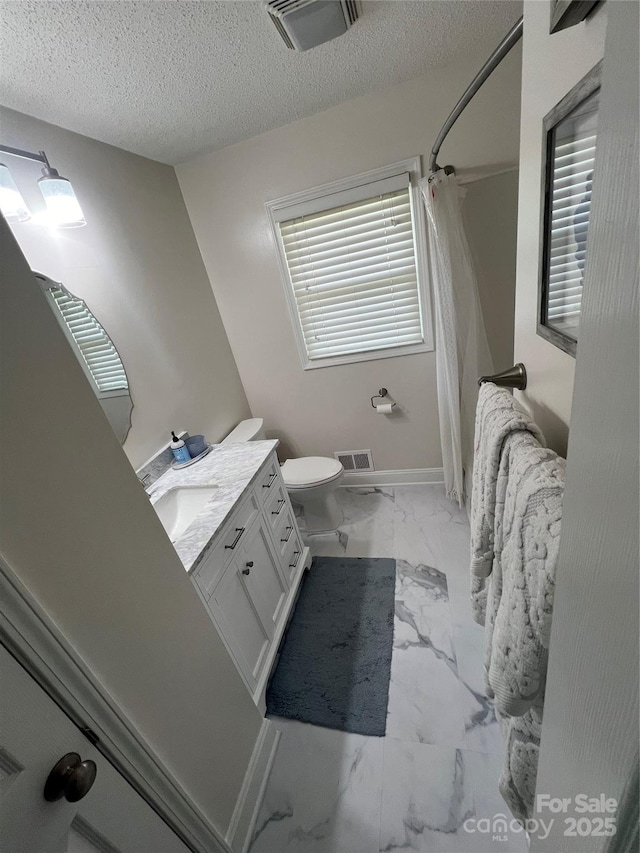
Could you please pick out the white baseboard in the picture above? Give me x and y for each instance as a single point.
(245, 814)
(402, 477)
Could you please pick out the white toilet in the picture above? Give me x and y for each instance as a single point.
(311, 481)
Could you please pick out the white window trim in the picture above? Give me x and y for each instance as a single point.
(274, 210)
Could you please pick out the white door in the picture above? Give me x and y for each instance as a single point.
(34, 735)
(590, 728)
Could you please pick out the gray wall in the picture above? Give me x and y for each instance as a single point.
(490, 213)
(320, 411)
(82, 536)
(137, 265)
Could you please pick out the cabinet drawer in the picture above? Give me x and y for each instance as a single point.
(276, 505)
(285, 530)
(240, 521)
(292, 554)
(229, 541)
(268, 480)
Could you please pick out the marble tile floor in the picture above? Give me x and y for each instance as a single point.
(439, 764)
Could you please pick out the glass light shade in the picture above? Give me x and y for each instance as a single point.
(62, 205)
(11, 202)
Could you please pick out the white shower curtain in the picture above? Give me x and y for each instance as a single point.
(462, 351)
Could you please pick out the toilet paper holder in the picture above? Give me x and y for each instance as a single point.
(382, 392)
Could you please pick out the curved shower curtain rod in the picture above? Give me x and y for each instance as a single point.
(513, 36)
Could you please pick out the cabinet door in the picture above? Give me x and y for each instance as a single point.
(262, 576)
(239, 622)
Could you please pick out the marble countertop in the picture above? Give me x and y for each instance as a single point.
(230, 467)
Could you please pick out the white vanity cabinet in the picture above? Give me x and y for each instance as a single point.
(249, 578)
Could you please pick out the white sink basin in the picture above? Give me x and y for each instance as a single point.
(179, 506)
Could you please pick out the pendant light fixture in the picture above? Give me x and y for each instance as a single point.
(63, 207)
(12, 204)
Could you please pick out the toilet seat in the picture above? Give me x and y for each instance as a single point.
(310, 471)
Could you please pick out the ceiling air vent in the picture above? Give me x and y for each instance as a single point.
(304, 24)
(355, 460)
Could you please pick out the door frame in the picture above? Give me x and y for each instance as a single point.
(34, 639)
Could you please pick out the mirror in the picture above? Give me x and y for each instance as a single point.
(572, 131)
(95, 351)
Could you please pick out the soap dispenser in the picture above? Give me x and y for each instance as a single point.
(179, 449)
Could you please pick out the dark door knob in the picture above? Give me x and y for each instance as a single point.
(71, 778)
(249, 566)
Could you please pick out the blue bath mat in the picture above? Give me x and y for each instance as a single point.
(335, 661)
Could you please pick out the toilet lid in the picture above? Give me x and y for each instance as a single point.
(310, 471)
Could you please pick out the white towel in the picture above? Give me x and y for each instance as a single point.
(498, 415)
(528, 508)
(516, 511)
(520, 767)
(518, 447)
(529, 541)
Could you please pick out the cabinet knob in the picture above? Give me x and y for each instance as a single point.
(249, 566)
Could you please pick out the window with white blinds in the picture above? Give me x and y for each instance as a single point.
(569, 200)
(98, 355)
(352, 271)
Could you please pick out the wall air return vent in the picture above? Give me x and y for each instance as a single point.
(355, 460)
(304, 24)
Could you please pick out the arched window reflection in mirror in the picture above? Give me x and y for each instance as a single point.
(95, 351)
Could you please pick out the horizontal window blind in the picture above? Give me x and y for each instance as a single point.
(93, 343)
(352, 269)
(571, 193)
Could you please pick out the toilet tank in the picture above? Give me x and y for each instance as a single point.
(250, 430)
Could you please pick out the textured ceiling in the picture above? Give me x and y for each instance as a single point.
(169, 79)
